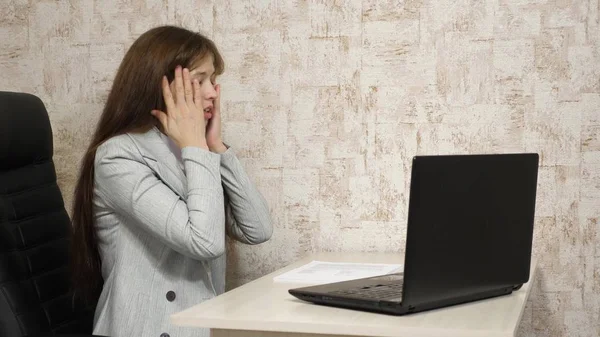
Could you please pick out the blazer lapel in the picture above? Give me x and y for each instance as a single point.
(159, 158)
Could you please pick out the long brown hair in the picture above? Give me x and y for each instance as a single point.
(136, 90)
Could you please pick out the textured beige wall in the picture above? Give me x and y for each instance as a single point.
(326, 102)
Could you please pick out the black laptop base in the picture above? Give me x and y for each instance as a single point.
(390, 308)
(312, 294)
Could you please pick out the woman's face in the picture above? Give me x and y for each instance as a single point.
(204, 72)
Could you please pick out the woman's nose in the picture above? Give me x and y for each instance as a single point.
(211, 93)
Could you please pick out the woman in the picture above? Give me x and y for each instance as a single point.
(158, 190)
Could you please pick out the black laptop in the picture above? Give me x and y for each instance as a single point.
(469, 237)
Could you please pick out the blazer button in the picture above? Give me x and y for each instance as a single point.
(170, 298)
(164, 334)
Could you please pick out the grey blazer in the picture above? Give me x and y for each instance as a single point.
(161, 229)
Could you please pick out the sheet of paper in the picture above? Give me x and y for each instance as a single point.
(319, 272)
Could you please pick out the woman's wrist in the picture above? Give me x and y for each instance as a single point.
(199, 144)
(219, 147)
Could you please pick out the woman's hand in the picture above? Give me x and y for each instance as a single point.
(213, 129)
(184, 121)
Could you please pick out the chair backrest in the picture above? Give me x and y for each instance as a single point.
(35, 291)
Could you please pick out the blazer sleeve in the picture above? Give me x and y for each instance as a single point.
(131, 188)
(248, 218)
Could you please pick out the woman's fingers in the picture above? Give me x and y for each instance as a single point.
(197, 95)
(168, 96)
(217, 107)
(187, 86)
(179, 90)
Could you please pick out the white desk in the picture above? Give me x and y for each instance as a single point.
(264, 308)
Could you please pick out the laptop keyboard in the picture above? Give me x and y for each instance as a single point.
(377, 292)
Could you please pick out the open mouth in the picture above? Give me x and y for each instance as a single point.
(208, 112)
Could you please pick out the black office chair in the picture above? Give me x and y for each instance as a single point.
(35, 295)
